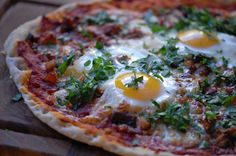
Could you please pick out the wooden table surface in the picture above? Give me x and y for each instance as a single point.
(20, 132)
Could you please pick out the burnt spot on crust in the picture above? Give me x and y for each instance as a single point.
(120, 118)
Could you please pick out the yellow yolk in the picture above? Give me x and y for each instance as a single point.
(197, 39)
(149, 89)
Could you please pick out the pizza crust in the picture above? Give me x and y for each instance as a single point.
(64, 125)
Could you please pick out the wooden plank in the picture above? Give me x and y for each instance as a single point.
(17, 15)
(3, 6)
(16, 115)
(14, 143)
(27, 144)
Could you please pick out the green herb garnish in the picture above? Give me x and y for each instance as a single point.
(134, 82)
(63, 66)
(175, 115)
(99, 45)
(100, 18)
(81, 92)
(17, 97)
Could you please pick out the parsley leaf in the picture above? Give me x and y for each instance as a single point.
(82, 91)
(202, 19)
(229, 118)
(151, 65)
(169, 54)
(99, 45)
(135, 82)
(155, 28)
(175, 115)
(100, 18)
(61, 68)
(17, 97)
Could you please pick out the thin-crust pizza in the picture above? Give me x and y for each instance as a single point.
(134, 77)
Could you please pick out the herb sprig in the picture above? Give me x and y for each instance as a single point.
(135, 81)
(82, 91)
(173, 114)
(61, 68)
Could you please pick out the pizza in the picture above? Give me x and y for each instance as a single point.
(133, 77)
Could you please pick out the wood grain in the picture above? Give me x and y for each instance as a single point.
(31, 144)
(3, 6)
(15, 143)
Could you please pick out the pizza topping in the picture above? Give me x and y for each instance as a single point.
(141, 87)
(197, 39)
(47, 24)
(100, 18)
(166, 77)
(17, 97)
(63, 66)
(123, 118)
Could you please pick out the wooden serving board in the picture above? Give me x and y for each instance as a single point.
(20, 132)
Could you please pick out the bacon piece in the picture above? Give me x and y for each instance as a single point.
(135, 33)
(225, 137)
(24, 49)
(51, 77)
(119, 118)
(110, 29)
(50, 65)
(68, 24)
(48, 38)
(47, 24)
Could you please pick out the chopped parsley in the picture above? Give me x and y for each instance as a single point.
(17, 97)
(175, 115)
(204, 145)
(61, 68)
(100, 18)
(169, 54)
(134, 82)
(202, 19)
(155, 27)
(82, 91)
(229, 119)
(150, 65)
(193, 18)
(99, 45)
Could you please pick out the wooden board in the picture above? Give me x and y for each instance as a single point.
(27, 144)
(20, 132)
(3, 6)
(18, 14)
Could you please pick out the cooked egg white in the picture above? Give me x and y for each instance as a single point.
(116, 52)
(116, 92)
(213, 45)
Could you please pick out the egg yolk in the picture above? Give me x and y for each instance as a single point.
(197, 39)
(149, 89)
